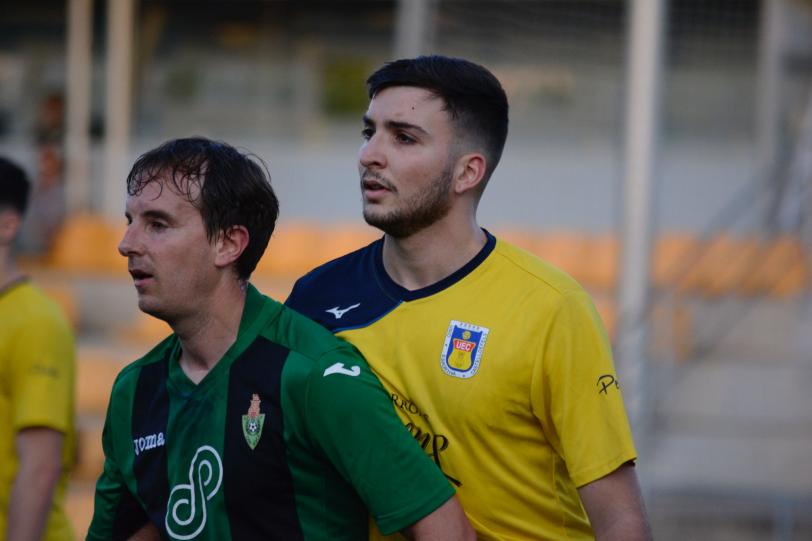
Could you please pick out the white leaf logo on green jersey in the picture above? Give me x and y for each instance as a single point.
(186, 510)
(339, 368)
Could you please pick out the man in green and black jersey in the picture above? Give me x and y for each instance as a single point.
(249, 421)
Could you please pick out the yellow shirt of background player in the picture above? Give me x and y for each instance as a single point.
(36, 388)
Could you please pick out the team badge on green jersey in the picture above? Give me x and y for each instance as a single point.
(252, 423)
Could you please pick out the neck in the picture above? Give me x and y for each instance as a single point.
(208, 334)
(433, 253)
(9, 271)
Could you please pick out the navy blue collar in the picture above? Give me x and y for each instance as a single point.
(397, 291)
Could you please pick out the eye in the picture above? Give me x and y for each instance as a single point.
(157, 226)
(367, 133)
(403, 138)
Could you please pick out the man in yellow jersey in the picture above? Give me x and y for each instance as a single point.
(496, 361)
(36, 389)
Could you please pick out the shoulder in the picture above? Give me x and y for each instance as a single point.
(350, 268)
(127, 379)
(309, 342)
(344, 293)
(324, 377)
(32, 307)
(534, 274)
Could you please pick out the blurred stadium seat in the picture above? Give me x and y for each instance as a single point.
(782, 269)
(724, 263)
(65, 296)
(343, 238)
(145, 329)
(567, 250)
(600, 269)
(89, 453)
(294, 249)
(96, 370)
(673, 255)
(79, 506)
(521, 237)
(88, 243)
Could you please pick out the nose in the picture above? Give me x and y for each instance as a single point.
(371, 155)
(127, 246)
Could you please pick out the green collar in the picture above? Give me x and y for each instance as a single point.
(258, 311)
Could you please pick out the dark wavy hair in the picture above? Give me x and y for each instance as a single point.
(228, 187)
(14, 186)
(473, 97)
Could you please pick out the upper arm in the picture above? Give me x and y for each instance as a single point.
(576, 395)
(117, 513)
(42, 375)
(39, 448)
(447, 523)
(615, 506)
(354, 423)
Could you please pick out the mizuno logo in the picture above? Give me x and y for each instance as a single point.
(339, 368)
(338, 312)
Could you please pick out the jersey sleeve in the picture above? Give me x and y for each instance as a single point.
(576, 394)
(352, 420)
(117, 514)
(42, 376)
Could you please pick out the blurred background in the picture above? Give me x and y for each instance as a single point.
(660, 152)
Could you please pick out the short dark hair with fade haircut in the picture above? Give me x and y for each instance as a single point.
(473, 97)
(14, 186)
(230, 188)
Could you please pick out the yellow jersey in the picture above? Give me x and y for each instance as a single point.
(502, 371)
(36, 389)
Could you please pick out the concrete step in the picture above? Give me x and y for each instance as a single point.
(770, 466)
(739, 395)
(755, 328)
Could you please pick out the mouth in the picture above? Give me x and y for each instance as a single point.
(374, 188)
(140, 277)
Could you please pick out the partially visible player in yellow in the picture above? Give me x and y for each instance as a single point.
(36, 389)
(496, 361)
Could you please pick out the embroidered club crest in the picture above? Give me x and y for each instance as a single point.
(462, 351)
(252, 423)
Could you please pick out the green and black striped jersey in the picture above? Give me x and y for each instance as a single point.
(290, 436)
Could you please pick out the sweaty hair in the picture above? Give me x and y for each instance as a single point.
(14, 187)
(229, 188)
(473, 97)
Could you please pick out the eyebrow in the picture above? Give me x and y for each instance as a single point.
(396, 125)
(154, 215)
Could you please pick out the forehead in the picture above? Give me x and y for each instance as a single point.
(161, 193)
(401, 103)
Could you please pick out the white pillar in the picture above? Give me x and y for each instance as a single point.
(77, 143)
(645, 43)
(769, 77)
(413, 28)
(117, 103)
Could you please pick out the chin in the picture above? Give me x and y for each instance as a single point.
(393, 228)
(380, 221)
(151, 309)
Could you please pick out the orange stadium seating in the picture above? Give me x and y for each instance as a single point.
(88, 243)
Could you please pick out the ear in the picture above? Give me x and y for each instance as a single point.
(230, 245)
(469, 172)
(10, 222)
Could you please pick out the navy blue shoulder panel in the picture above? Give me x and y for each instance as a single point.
(345, 293)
